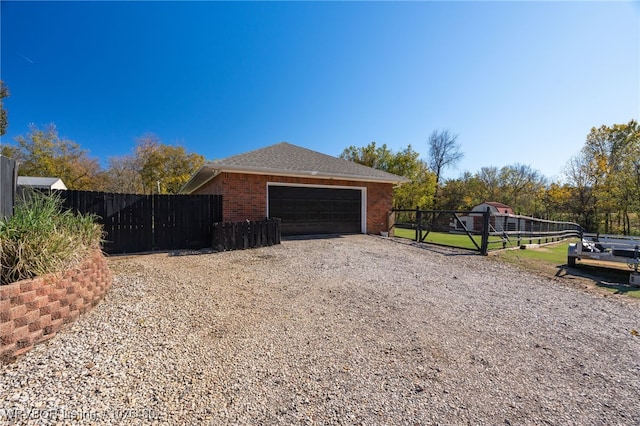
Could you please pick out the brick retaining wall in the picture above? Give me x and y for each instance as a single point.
(32, 311)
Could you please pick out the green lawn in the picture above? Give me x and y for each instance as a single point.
(454, 240)
(553, 253)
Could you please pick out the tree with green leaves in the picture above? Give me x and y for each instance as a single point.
(4, 122)
(420, 190)
(612, 160)
(377, 157)
(43, 153)
(406, 163)
(522, 188)
(519, 186)
(459, 194)
(153, 167)
(8, 151)
(556, 199)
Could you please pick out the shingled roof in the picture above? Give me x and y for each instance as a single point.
(285, 159)
(41, 182)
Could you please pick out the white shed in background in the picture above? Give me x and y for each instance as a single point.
(41, 182)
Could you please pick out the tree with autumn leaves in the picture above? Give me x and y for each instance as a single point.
(605, 178)
(600, 189)
(517, 185)
(42, 152)
(4, 93)
(152, 167)
(406, 162)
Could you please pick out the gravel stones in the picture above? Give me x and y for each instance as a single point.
(350, 330)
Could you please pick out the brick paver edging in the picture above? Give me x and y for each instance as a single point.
(32, 311)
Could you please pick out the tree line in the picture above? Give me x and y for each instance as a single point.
(151, 168)
(600, 188)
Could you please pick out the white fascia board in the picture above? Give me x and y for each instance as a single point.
(202, 170)
(307, 174)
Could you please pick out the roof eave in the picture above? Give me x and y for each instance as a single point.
(305, 173)
(210, 170)
(200, 178)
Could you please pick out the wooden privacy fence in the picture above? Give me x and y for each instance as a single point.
(8, 179)
(135, 223)
(244, 235)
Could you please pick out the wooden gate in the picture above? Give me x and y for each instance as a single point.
(184, 221)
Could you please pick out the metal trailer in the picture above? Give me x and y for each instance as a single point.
(608, 248)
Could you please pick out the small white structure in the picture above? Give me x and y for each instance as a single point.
(40, 182)
(502, 218)
(494, 208)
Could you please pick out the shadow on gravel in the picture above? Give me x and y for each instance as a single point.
(603, 277)
(619, 288)
(314, 237)
(190, 252)
(170, 253)
(443, 250)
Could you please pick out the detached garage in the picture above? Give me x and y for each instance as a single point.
(311, 192)
(316, 210)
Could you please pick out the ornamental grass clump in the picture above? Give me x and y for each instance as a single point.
(43, 237)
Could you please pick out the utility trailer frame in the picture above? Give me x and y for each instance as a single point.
(608, 248)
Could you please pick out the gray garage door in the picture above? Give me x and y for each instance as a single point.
(307, 210)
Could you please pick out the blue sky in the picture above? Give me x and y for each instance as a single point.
(519, 82)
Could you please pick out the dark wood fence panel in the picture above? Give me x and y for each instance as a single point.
(164, 222)
(244, 235)
(135, 223)
(129, 227)
(8, 177)
(184, 221)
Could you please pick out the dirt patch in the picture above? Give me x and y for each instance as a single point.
(599, 278)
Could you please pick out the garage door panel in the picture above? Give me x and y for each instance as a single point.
(311, 210)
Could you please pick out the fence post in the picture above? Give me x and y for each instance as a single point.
(391, 222)
(245, 234)
(484, 247)
(8, 181)
(504, 231)
(419, 227)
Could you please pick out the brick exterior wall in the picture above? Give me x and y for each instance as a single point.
(245, 196)
(32, 311)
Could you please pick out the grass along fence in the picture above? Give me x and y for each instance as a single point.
(447, 239)
(479, 231)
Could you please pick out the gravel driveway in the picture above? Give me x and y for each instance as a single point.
(351, 330)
